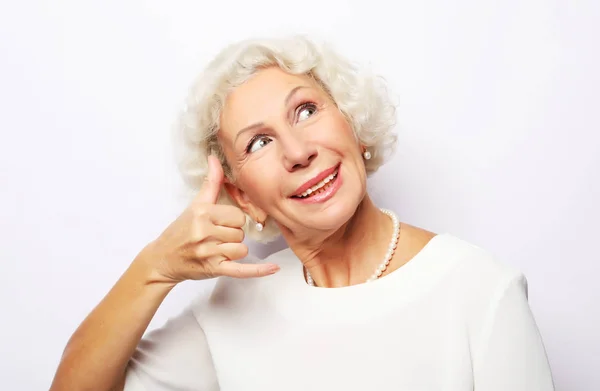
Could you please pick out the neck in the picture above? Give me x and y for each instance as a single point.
(349, 255)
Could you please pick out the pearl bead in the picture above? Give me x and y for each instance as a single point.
(388, 255)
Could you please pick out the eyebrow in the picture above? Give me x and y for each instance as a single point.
(286, 101)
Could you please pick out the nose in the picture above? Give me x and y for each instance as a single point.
(298, 152)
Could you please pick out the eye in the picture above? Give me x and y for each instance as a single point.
(257, 142)
(306, 110)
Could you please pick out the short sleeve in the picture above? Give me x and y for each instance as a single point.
(512, 356)
(173, 357)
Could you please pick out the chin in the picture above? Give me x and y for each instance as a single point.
(331, 216)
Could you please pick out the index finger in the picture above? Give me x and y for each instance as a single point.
(246, 270)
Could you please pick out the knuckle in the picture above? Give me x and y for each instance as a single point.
(200, 211)
(239, 270)
(239, 217)
(198, 231)
(209, 270)
(236, 250)
(242, 219)
(201, 252)
(242, 250)
(240, 235)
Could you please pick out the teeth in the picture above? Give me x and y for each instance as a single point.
(319, 185)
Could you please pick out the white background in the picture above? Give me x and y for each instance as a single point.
(499, 145)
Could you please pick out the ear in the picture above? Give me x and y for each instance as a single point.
(244, 203)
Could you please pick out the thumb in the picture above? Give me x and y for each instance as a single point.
(209, 193)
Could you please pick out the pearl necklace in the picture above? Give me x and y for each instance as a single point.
(388, 255)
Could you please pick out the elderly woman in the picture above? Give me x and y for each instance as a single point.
(279, 137)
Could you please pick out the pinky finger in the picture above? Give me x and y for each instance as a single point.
(246, 270)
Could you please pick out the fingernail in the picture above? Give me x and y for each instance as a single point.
(274, 269)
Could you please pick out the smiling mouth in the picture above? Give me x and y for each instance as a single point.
(320, 187)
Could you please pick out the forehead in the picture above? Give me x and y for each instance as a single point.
(260, 97)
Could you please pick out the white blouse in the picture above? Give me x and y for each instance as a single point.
(453, 318)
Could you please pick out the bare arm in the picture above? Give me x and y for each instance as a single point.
(97, 354)
(201, 243)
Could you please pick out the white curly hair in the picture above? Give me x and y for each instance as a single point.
(360, 96)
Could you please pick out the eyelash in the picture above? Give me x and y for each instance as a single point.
(299, 109)
(253, 139)
(303, 106)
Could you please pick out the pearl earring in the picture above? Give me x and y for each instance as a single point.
(259, 226)
(367, 155)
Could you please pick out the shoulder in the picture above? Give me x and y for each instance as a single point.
(450, 252)
(478, 264)
(478, 279)
(465, 270)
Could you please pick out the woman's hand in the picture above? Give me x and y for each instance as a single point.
(204, 240)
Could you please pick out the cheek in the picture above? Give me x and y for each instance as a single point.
(336, 127)
(260, 181)
(336, 134)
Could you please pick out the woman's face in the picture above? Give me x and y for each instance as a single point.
(284, 137)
